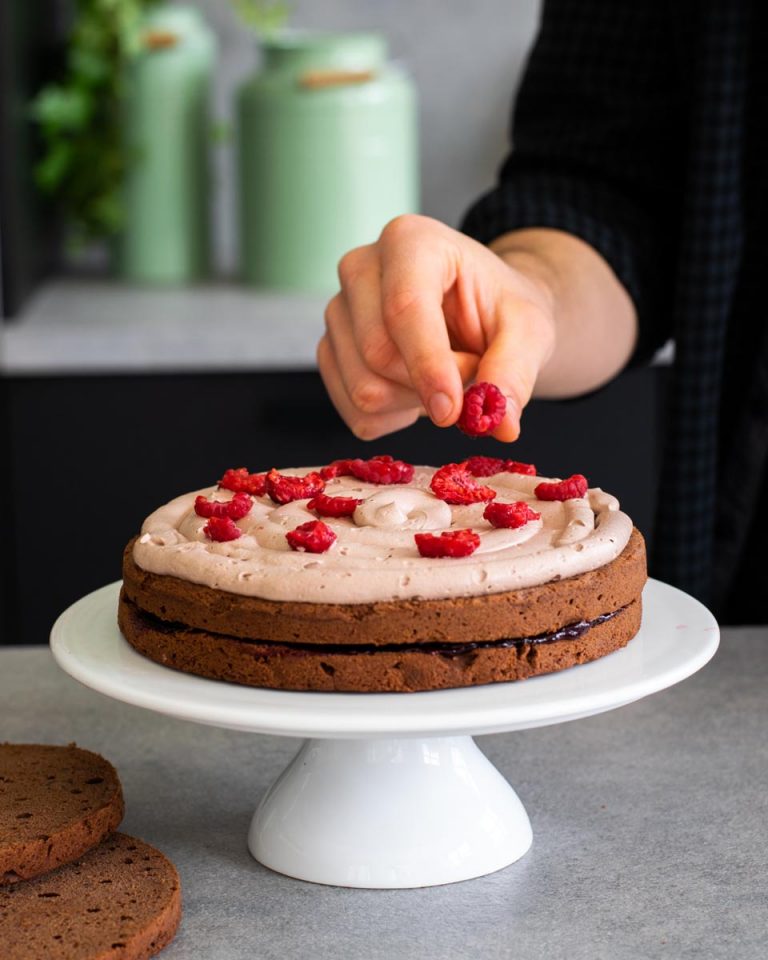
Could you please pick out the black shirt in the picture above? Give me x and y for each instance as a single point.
(636, 128)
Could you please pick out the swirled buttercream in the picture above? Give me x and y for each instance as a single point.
(374, 557)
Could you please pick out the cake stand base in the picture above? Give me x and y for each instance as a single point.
(412, 812)
(390, 790)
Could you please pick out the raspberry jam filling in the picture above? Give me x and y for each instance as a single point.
(571, 631)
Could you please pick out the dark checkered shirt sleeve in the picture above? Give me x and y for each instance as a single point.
(595, 152)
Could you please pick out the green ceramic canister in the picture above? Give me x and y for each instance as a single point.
(166, 133)
(327, 155)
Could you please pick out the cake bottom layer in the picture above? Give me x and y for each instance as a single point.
(292, 667)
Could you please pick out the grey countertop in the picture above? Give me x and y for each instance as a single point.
(77, 326)
(73, 327)
(650, 836)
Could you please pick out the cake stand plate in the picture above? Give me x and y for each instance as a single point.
(390, 790)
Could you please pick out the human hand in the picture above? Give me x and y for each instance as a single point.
(422, 312)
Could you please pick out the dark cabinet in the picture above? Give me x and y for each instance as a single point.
(89, 456)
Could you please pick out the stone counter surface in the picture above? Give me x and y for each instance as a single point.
(75, 327)
(650, 828)
(80, 327)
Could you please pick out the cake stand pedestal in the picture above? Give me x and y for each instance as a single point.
(390, 790)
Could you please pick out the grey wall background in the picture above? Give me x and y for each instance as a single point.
(465, 57)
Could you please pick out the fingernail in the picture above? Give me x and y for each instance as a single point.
(512, 417)
(440, 407)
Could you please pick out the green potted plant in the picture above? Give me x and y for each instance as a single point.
(83, 157)
(125, 136)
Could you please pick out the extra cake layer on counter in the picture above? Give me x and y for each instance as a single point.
(526, 612)
(56, 802)
(122, 900)
(389, 670)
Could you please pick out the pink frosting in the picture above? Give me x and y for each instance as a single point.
(374, 556)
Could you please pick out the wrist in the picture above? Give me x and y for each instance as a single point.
(525, 253)
(536, 280)
(592, 314)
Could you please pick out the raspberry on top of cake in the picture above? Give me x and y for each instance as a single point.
(364, 534)
(379, 576)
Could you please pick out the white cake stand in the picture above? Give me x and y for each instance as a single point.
(390, 790)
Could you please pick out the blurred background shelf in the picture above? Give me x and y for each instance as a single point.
(115, 398)
(75, 326)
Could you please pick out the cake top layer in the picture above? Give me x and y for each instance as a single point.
(374, 556)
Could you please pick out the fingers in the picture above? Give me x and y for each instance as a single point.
(360, 278)
(366, 426)
(415, 274)
(513, 359)
(415, 312)
(368, 392)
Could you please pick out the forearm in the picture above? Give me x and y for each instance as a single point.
(594, 318)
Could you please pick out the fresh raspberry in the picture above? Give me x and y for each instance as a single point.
(489, 466)
(284, 489)
(210, 508)
(450, 543)
(222, 529)
(575, 486)
(383, 470)
(239, 506)
(313, 536)
(453, 483)
(240, 481)
(483, 410)
(338, 468)
(510, 515)
(333, 506)
(343, 468)
(236, 508)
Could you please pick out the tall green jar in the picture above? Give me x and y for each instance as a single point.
(327, 155)
(166, 133)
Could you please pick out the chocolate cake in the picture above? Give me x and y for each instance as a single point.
(376, 576)
(121, 899)
(56, 802)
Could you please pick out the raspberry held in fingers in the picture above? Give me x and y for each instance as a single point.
(483, 410)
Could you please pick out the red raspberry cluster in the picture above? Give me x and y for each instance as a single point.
(240, 481)
(222, 529)
(453, 483)
(483, 410)
(236, 508)
(510, 515)
(382, 470)
(222, 514)
(450, 543)
(311, 537)
(490, 466)
(574, 486)
(285, 489)
(333, 506)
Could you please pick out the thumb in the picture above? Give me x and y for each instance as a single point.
(512, 362)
